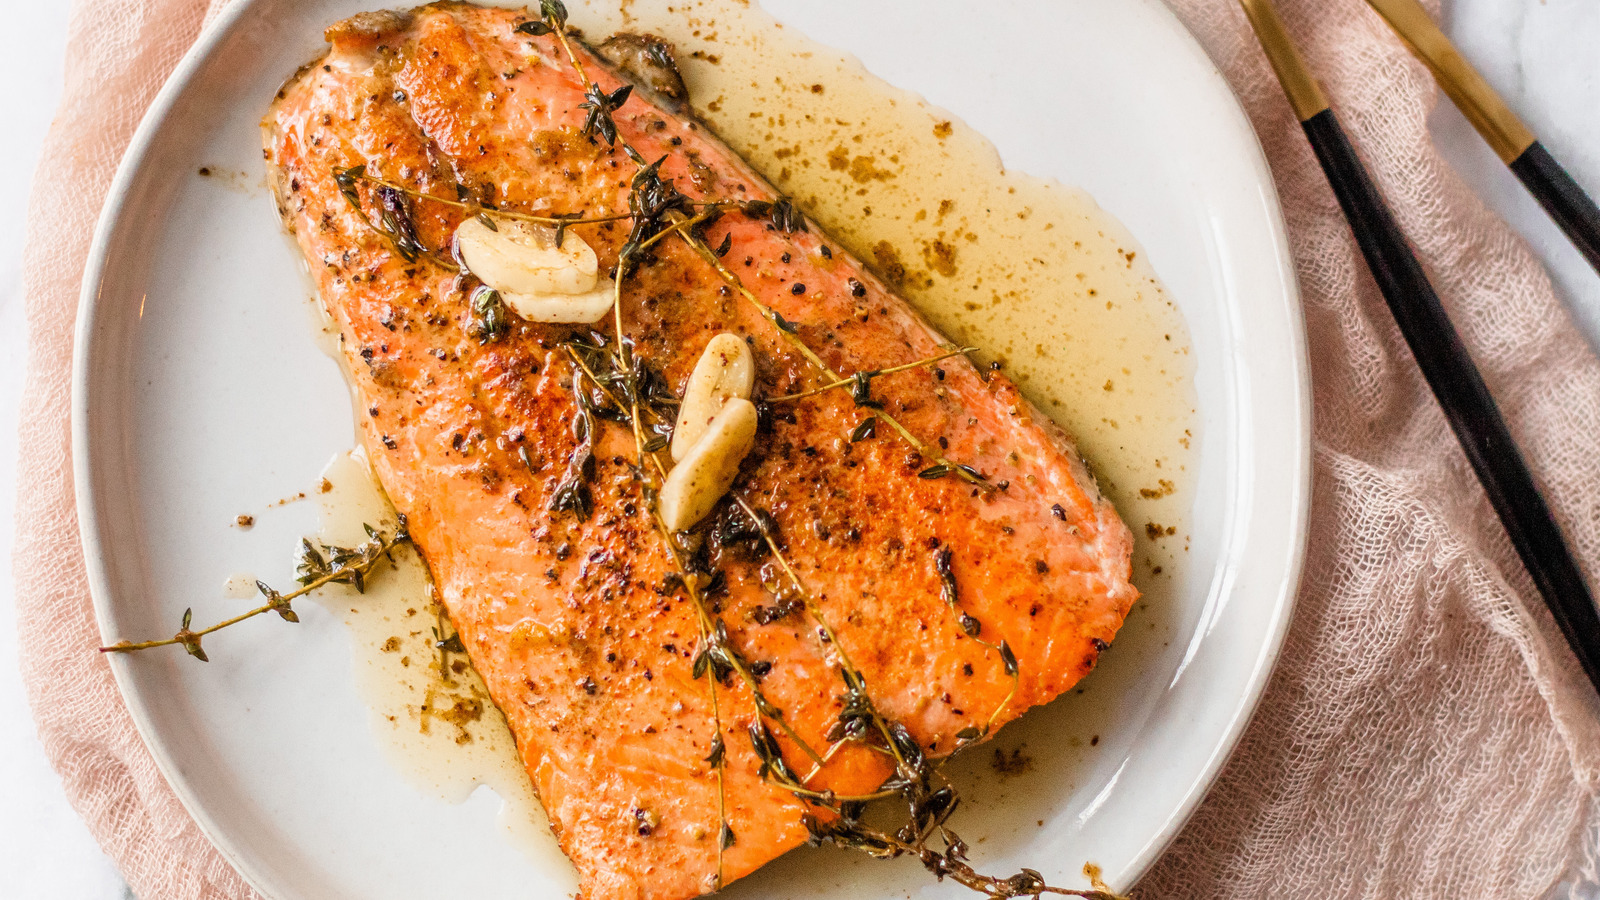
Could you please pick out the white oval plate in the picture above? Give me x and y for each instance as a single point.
(200, 394)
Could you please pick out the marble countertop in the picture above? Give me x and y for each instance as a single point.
(1538, 53)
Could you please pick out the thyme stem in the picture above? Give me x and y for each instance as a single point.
(892, 370)
(476, 209)
(371, 554)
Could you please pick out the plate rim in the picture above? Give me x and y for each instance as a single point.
(211, 38)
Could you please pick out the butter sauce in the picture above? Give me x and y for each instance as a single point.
(1051, 285)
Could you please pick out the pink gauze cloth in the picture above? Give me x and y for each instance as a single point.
(1426, 732)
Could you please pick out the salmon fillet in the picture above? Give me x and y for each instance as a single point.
(578, 619)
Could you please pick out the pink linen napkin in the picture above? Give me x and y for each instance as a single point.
(1426, 733)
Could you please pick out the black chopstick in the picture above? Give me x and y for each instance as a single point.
(1561, 197)
(1512, 141)
(1439, 352)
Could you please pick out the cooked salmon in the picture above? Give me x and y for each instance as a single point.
(574, 610)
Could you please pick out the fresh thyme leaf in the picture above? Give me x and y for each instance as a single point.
(395, 216)
(787, 217)
(655, 444)
(939, 470)
(488, 222)
(346, 181)
(1008, 658)
(861, 391)
(190, 640)
(537, 29)
(971, 626)
(868, 428)
(488, 321)
(782, 323)
(598, 121)
(309, 564)
(728, 837)
(725, 246)
(554, 11)
(276, 602)
(572, 494)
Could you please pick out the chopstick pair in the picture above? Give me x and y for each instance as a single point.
(1438, 349)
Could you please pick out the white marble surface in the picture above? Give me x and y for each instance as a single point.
(46, 853)
(1539, 53)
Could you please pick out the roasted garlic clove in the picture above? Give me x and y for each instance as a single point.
(696, 484)
(516, 257)
(586, 308)
(726, 370)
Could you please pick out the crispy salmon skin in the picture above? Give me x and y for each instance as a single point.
(567, 599)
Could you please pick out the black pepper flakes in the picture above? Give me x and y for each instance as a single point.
(797, 289)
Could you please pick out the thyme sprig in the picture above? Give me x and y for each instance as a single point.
(716, 651)
(713, 653)
(316, 568)
(859, 711)
(930, 799)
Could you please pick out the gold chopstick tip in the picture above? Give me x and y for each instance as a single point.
(1489, 114)
(1305, 94)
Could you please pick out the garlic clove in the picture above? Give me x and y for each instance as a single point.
(695, 485)
(585, 309)
(725, 370)
(517, 257)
